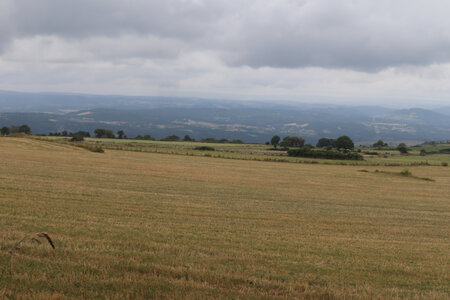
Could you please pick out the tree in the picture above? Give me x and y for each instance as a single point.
(64, 133)
(104, 133)
(99, 132)
(402, 148)
(187, 138)
(120, 134)
(25, 129)
(292, 141)
(379, 144)
(171, 138)
(4, 130)
(275, 140)
(148, 137)
(344, 142)
(326, 142)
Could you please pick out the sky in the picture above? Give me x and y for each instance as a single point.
(334, 51)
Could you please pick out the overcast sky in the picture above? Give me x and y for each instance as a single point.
(394, 52)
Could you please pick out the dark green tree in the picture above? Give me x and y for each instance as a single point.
(171, 138)
(208, 140)
(82, 133)
(379, 144)
(292, 141)
(120, 134)
(344, 142)
(25, 129)
(275, 141)
(4, 130)
(402, 148)
(104, 133)
(187, 138)
(326, 142)
(148, 137)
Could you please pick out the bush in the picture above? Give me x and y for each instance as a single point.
(370, 152)
(406, 172)
(205, 148)
(209, 140)
(91, 148)
(97, 149)
(77, 138)
(402, 148)
(308, 152)
(237, 141)
(444, 164)
(171, 138)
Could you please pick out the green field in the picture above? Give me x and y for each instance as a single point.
(148, 224)
(261, 152)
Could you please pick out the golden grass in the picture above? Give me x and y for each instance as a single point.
(142, 225)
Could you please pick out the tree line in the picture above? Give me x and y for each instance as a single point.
(24, 129)
(342, 143)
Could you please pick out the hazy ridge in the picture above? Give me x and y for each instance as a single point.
(249, 121)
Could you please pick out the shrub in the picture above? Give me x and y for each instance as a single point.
(205, 148)
(308, 152)
(171, 138)
(405, 172)
(370, 152)
(209, 140)
(82, 133)
(77, 138)
(444, 164)
(97, 149)
(237, 141)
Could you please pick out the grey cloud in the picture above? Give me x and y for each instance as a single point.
(360, 35)
(85, 18)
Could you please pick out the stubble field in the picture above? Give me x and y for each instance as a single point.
(149, 225)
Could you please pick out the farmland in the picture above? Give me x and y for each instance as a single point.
(140, 222)
(261, 152)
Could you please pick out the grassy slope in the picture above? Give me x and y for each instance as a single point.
(129, 224)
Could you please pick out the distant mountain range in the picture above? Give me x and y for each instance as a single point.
(248, 121)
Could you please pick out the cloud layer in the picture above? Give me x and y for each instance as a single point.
(228, 48)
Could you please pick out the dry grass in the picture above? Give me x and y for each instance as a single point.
(143, 225)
